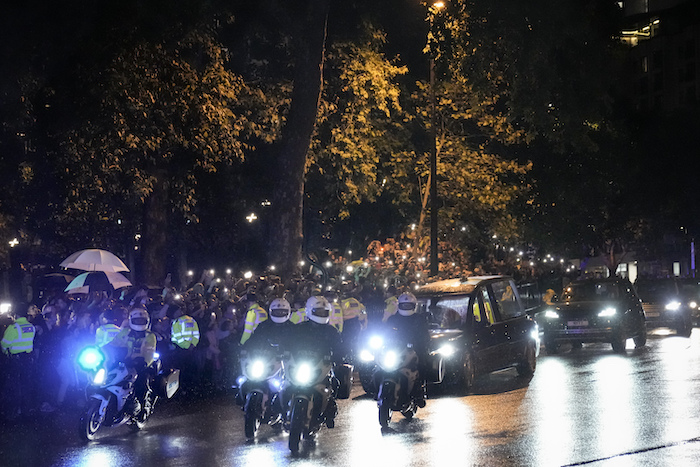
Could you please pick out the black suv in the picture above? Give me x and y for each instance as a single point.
(478, 325)
(595, 310)
(665, 304)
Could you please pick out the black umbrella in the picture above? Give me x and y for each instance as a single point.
(97, 281)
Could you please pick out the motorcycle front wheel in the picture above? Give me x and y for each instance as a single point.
(298, 423)
(90, 421)
(253, 413)
(385, 402)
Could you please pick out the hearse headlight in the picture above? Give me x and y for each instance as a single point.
(446, 350)
(673, 306)
(551, 314)
(607, 312)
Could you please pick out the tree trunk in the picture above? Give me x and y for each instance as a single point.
(286, 234)
(155, 231)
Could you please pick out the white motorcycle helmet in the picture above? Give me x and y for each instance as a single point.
(318, 309)
(280, 310)
(407, 304)
(139, 319)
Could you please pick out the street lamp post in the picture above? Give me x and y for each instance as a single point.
(434, 264)
(434, 267)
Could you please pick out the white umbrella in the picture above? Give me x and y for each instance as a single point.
(94, 260)
(97, 281)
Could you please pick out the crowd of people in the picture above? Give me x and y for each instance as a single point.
(224, 314)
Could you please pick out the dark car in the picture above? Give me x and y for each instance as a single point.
(665, 305)
(595, 310)
(478, 325)
(690, 292)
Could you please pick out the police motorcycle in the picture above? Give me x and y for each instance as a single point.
(369, 344)
(309, 378)
(110, 393)
(395, 377)
(258, 393)
(311, 386)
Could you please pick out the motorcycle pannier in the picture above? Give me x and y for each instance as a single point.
(169, 383)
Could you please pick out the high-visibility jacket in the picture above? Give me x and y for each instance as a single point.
(352, 308)
(391, 306)
(256, 315)
(298, 316)
(336, 316)
(139, 344)
(18, 337)
(106, 333)
(184, 332)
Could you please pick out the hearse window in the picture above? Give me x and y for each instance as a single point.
(449, 313)
(507, 300)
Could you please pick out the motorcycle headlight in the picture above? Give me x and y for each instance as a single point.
(390, 360)
(303, 374)
(257, 369)
(673, 306)
(376, 342)
(366, 355)
(90, 358)
(99, 377)
(607, 312)
(551, 314)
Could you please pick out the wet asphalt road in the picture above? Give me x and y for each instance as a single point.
(582, 407)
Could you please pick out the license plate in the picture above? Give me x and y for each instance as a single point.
(578, 323)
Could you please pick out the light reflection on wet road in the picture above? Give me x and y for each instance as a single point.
(583, 407)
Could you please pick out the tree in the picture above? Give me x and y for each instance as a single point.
(169, 110)
(307, 23)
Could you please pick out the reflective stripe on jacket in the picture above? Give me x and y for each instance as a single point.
(18, 337)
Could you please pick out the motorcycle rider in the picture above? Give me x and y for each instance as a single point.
(413, 328)
(274, 332)
(316, 334)
(139, 345)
